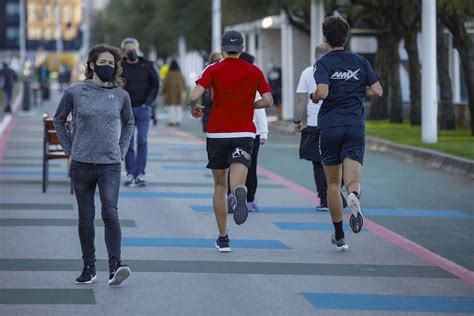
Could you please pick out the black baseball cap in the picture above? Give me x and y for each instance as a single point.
(232, 41)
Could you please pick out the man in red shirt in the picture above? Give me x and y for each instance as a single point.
(231, 130)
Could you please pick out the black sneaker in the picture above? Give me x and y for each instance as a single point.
(119, 273)
(322, 208)
(87, 276)
(223, 244)
(240, 210)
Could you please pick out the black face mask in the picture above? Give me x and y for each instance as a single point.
(104, 72)
(132, 55)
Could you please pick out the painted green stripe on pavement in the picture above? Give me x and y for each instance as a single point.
(55, 222)
(263, 268)
(36, 206)
(47, 296)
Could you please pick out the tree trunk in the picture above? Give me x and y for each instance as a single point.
(396, 104)
(415, 77)
(379, 108)
(467, 61)
(463, 43)
(446, 109)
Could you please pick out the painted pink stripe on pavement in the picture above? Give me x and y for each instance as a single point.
(387, 234)
(5, 135)
(378, 230)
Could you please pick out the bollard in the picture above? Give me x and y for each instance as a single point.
(26, 95)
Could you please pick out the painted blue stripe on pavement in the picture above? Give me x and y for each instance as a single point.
(165, 195)
(309, 226)
(367, 212)
(201, 243)
(399, 303)
(155, 154)
(31, 173)
(414, 213)
(199, 168)
(263, 209)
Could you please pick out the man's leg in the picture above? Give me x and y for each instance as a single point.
(333, 176)
(352, 171)
(142, 121)
(238, 175)
(219, 200)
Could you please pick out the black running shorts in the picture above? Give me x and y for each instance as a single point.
(221, 152)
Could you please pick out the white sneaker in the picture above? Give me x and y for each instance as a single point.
(357, 219)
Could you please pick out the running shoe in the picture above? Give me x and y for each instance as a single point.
(340, 244)
(240, 211)
(322, 208)
(253, 206)
(230, 203)
(223, 244)
(357, 219)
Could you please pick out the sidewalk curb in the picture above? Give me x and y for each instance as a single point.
(431, 158)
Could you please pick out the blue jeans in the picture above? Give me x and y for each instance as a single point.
(135, 163)
(85, 178)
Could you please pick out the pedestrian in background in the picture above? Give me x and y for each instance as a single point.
(42, 74)
(7, 80)
(142, 84)
(309, 143)
(261, 137)
(173, 88)
(207, 96)
(103, 126)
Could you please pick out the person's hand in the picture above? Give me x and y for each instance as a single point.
(69, 159)
(298, 127)
(196, 111)
(263, 141)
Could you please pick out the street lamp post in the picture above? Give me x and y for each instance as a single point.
(216, 25)
(429, 102)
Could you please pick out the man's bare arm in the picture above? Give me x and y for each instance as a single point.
(265, 102)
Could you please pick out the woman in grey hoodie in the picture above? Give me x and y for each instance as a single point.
(102, 128)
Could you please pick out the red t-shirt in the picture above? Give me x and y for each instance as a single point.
(234, 83)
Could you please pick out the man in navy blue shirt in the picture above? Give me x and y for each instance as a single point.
(343, 79)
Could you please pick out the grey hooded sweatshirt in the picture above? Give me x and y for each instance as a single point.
(102, 123)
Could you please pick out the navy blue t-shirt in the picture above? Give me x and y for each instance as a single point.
(347, 75)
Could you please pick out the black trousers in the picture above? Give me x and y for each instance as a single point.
(85, 178)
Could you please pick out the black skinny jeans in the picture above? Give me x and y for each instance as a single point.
(86, 177)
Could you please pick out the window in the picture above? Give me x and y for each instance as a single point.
(13, 9)
(13, 33)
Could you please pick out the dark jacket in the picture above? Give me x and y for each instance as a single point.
(141, 81)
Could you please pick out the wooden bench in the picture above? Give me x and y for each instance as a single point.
(51, 149)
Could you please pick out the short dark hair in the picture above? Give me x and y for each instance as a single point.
(335, 30)
(247, 57)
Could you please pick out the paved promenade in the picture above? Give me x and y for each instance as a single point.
(415, 255)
